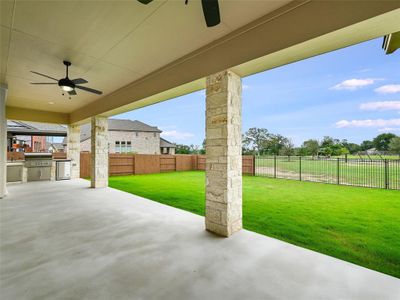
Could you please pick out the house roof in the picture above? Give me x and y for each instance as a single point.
(35, 128)
(118, 125)
(166, 144)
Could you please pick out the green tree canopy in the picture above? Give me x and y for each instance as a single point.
(382, 141)
(311, 147)
(394, 145)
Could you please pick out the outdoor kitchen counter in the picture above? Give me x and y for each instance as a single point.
(16, 171)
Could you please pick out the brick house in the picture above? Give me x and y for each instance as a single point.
(127, 136)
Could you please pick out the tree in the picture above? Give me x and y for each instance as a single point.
(288, 148)
(382, 141)
(311, 146)
(275, 144)
(182, 149)
(365, 145)
(394, 145)
(255, 139)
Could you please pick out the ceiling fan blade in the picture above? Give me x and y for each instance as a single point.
(84, 88)
(145, 1)
(72, 93)
(44, 75)
(79, 81)
(211, 12)
(43, 82)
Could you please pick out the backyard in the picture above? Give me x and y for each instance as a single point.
(359, 225)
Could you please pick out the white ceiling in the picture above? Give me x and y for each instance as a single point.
(110, 43)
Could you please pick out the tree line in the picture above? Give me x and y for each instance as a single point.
(259, 141)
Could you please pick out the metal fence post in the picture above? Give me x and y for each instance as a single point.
(300, 167)
(338, 170)
(274, 166)
(386, 174)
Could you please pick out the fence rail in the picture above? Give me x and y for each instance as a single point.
(379, 173)
(126, 164)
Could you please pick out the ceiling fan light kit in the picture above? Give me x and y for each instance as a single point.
(66, 84)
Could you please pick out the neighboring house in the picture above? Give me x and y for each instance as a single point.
(127, 136)
(371, 151)
(167, 147)
(55, 147)
(32, 136)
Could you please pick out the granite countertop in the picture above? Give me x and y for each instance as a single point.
(16, 163)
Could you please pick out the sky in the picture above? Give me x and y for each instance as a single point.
(352, 93)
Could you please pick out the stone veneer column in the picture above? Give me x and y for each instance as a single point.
(3, 142)
(74, 149)
(99, 152)
(224, 153)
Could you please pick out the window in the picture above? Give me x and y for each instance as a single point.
(155, 134)
(123, 147)
(117, 147)
(137, 133)
(128, 147)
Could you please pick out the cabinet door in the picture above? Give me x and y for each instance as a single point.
(33, 174)
(45, 173)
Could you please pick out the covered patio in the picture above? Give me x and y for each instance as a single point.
(63, 240)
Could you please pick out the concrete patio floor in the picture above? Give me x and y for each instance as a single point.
(63, 240)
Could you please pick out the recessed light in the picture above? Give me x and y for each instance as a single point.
(51, 102)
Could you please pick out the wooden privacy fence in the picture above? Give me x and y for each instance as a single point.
(126, 164)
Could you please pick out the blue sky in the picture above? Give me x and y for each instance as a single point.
(351, 93)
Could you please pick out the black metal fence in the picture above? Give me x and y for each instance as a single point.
(377, 173)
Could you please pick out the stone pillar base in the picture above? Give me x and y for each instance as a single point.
(99, 153)
(74, 149)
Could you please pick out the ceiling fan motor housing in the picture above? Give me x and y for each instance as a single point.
(66, 84)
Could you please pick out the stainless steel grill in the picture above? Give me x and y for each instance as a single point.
(38, 166)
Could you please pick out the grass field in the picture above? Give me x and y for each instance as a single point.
(352, 172)
(358, 225)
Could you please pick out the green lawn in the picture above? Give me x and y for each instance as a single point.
(360, 225)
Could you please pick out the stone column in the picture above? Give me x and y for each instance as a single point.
(74, 149)
(223, 153)
(99, 152)
(3, 142)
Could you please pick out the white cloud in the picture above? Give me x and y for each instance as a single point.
(388, 89)
(389, 129)
(381, 105)
(367, 123)
(245, 87)
(176, 135)
(354, 84)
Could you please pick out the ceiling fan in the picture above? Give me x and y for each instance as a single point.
(66, 84)
(210, 10)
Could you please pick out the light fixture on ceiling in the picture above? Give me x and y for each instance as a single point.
(67, 85)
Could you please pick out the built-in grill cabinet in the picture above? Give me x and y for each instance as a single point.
(38, 166)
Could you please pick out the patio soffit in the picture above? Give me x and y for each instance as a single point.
(142, 54)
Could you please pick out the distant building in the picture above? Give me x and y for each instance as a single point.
(32, 136)
(127, 136)
(124, 136)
